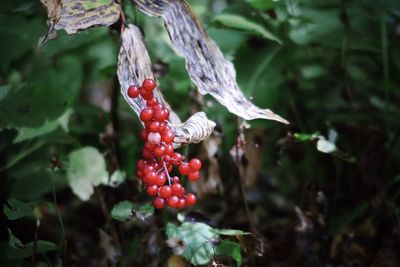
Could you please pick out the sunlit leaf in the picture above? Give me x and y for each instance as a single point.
(87, 169)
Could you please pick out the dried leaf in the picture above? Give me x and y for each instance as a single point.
(134, 66)
(207, 67)
(210, 180)
(76, 15)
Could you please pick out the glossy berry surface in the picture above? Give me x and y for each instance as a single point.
(159, 156)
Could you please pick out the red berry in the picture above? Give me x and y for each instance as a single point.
(152, 190)
(151, 178)
(133, 91)
(167, 136)
(162, 126)
(158, 203)
(154, 126)
(166, 113)
(194, 176)
(178, 190)
(146, 114)
(173, 202)
(176, 158)
(184, 168)
(147, 169)
(146, 95)
(147, 154)
(169, 149)
(175, 179)
(159, 115)
(195, 164)
(181, 203)
(139, 174)
(159, 151)
(161, 179)
(148, 85)
(143, 134)
(140, 164)
(165, 191)
(152, 102)
(190, 199)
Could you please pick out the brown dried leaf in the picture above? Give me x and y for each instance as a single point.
(207, 67)
(134, 66)
(76, 15)
(210, 180)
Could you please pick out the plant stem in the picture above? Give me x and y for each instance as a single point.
(385, 61)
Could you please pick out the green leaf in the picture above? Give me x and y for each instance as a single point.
(239, 22)
(26, 133)
(261, 4)
(17, 36)
(231, 232)
(303, 137)
(197, 238)
(43, 246)
(15, 209)
(125, 210)
(122, 211)
(87, 169)
(49, 93)
(17, 250)
(231, 249)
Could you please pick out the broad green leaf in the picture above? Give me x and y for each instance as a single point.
(17, 36)
(15, 209)
(87, 169)
(48, 94)
(125, 210)
(239, 22)
(197, 239)
(231, 249)
(25, 133)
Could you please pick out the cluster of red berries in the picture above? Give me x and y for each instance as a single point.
(159, 156)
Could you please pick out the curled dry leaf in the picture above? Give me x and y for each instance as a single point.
(134, 66)
(76, 15)
(207, 67)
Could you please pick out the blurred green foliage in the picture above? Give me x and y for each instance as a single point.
(323, 65)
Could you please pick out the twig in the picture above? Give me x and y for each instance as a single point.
(34, 249)
(63, 242)
(241, 178)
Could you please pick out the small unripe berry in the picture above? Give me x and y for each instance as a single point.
(154, 138)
